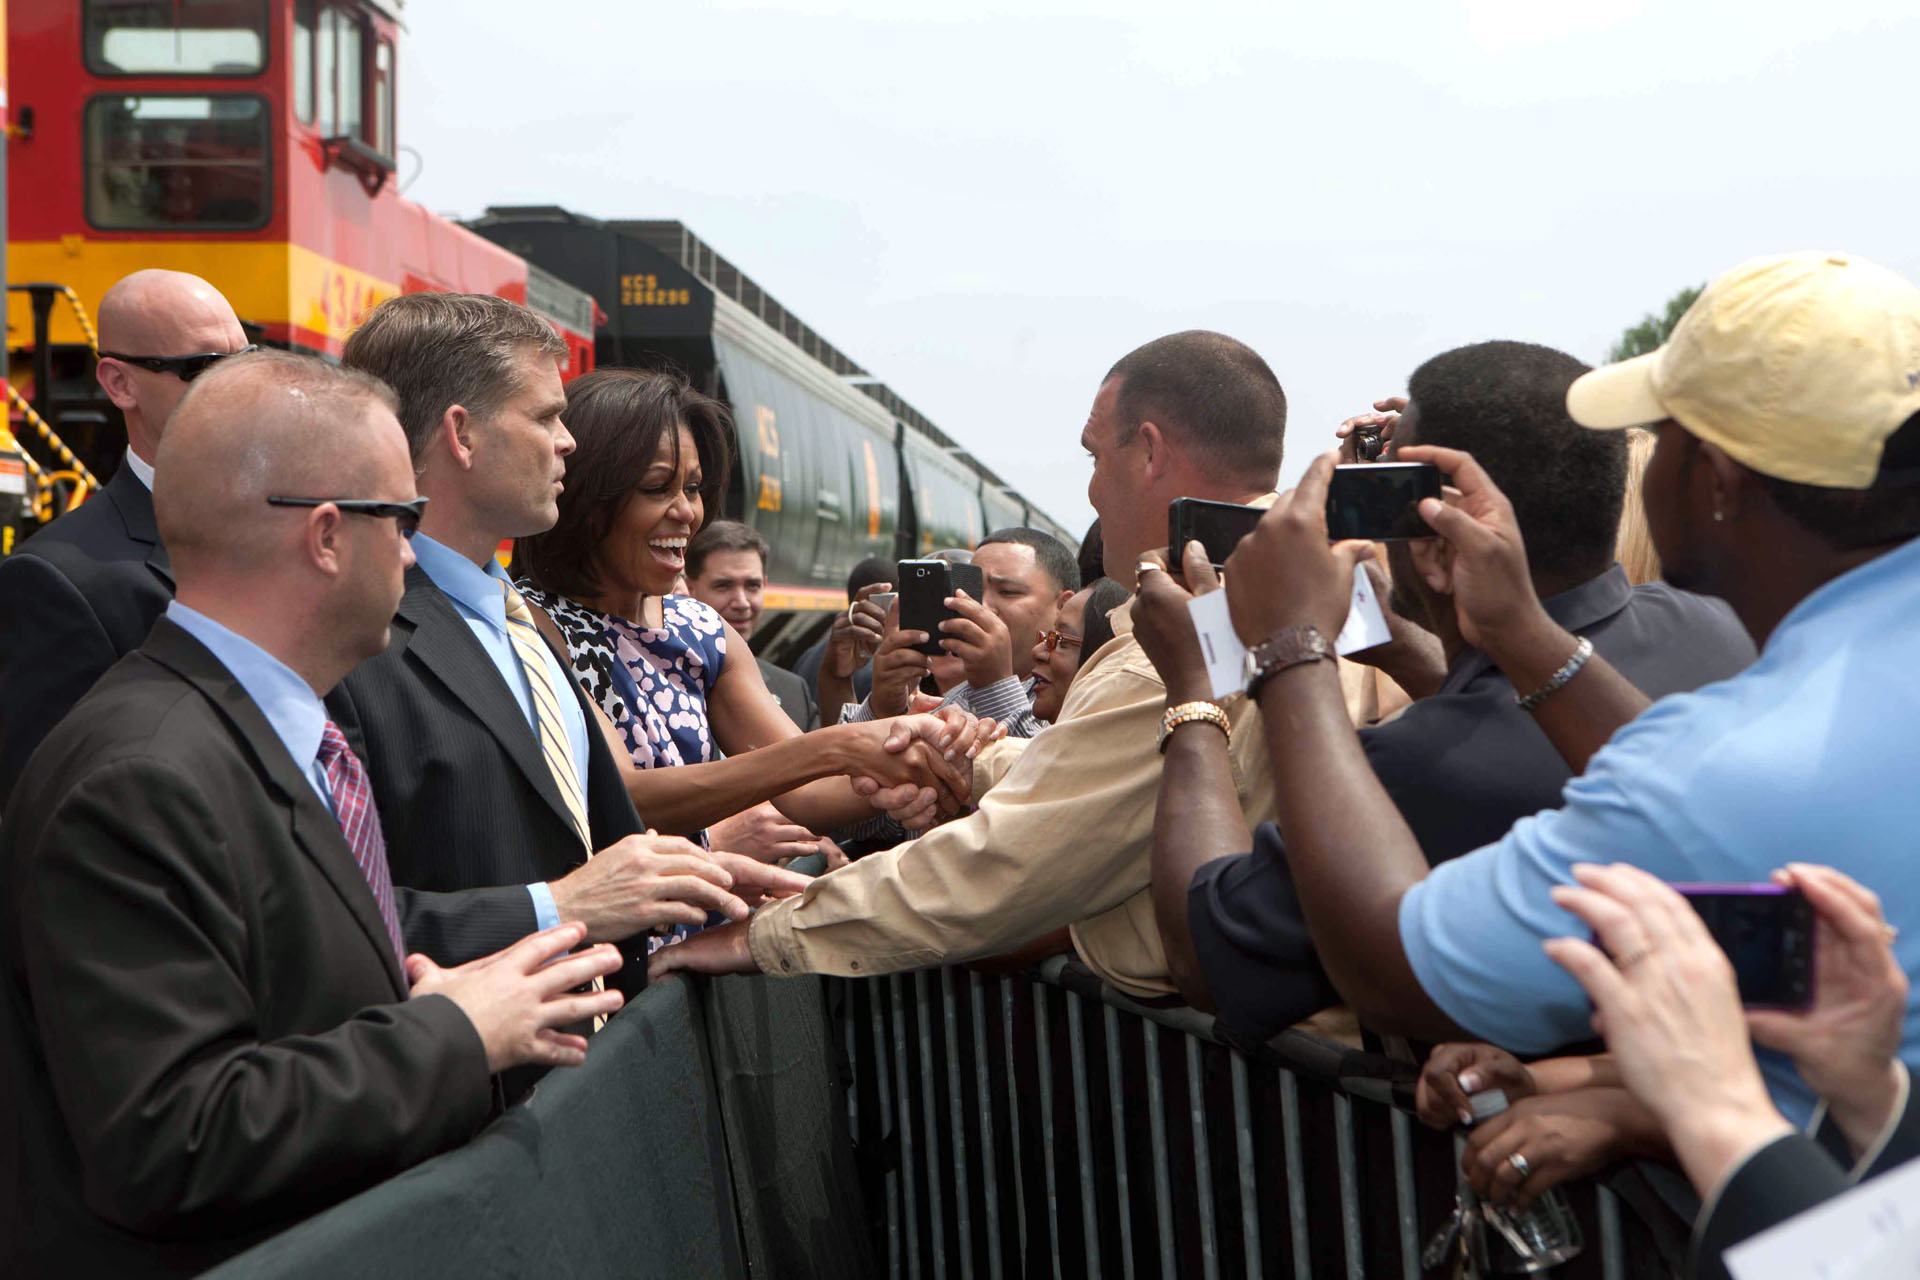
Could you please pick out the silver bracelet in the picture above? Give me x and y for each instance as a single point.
(1558, 680)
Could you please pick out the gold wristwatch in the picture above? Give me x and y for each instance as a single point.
(1287, 647)
(1193, 713)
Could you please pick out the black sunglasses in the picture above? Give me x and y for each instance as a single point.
(185, 368)
(405, 514)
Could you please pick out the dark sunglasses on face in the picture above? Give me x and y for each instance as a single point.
(185, 368)
(1057, 638)
(405, 514)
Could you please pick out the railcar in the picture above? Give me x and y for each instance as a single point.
(834, 466)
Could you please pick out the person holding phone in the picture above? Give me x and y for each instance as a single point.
(1797, 500)
(1464, 761)
(1665, 998)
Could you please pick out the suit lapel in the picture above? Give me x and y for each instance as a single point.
(310, 822)
(446, 647)
(135, 505)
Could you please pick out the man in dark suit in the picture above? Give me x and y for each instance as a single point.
(486, 757)
(211, 1025)
(85, 590)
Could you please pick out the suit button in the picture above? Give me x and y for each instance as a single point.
(786, 966)
(854, 965)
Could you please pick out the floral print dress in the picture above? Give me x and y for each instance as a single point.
(652, 682)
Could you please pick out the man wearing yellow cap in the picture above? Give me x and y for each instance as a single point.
(1786, 481)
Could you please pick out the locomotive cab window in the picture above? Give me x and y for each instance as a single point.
(176, 37)
(171, 162)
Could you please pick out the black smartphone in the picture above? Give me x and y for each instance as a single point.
(924, 586)
(1767, 932)
(1380, 501)
(1218, 526)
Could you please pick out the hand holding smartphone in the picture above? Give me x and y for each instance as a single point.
(924, 588)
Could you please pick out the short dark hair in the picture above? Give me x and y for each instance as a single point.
(1214, 393)
(1105, 596)
(617, 418)
(1506, 404)
(1854, 519)
(1093, 555)
(1054, 559)
(437, 350)
(724, 535)
(869, 571)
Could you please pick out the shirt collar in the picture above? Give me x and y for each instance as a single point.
(474, 588)
(1584, 606)
(288, 702)
(141, 468)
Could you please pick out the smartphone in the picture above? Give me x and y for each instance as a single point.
(1218, 526)
(1767, 932)
(1380, 501)
(924, 587)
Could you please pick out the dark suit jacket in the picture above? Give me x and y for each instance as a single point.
(206, 1032)
(462, 787)
(1787, 1177)
(793, 694)
(74, 599)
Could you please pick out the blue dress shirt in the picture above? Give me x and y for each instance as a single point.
(477, 596)
(291, 707)
(1805, 756)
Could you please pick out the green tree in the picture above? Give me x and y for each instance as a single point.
(1653, 330)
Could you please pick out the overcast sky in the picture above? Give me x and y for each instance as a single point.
(988, 204)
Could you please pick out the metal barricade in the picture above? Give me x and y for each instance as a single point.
(1044, 1125)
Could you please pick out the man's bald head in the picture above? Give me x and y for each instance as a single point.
(159, 313)
(270, 423)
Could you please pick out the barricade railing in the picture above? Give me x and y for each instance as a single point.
(932, 1125)
(1045, 1125)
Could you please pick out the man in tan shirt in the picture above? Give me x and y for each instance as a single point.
(1064, 829)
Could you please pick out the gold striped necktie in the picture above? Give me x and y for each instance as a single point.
(555, 747)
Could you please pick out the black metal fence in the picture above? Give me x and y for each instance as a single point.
(1026, 1127)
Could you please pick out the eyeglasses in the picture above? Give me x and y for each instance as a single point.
(1057, 638)
(185, 368)
(405, 514)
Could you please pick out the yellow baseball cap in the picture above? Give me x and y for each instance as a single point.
(1798, 366)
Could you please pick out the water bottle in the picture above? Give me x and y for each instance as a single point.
(1522, 1240)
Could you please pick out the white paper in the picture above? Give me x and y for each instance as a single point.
(1227, 657)
(1870, 1233)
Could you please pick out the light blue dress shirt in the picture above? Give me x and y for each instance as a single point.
(290, 705)
(477, 596)
(1807, 756)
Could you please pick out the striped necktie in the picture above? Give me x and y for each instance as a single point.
(555, 747)
(359, 823)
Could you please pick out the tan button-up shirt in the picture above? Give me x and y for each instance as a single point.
(1063, 838)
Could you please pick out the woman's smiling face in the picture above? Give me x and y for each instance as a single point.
(646, 549)
(1054, 671)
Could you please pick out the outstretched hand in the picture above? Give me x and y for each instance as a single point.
(518, 998)
(716, 951)
(1385, 417)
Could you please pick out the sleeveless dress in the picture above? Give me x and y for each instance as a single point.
(652, 682)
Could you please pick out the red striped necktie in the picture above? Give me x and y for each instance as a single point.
(360, 824)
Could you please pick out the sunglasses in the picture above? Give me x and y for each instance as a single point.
(1057, 638)
(405, 514)
(185, 368)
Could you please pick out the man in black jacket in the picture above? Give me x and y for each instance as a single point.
(85, 590)
(211, 1025)
(486, 757)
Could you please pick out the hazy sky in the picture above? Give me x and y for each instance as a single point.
(988, 204)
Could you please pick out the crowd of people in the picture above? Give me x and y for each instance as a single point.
(326, 834)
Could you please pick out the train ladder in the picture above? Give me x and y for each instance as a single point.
(45, 484)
